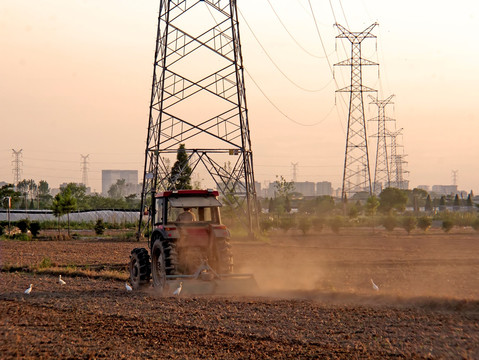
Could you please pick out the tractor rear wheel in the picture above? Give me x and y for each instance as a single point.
(223, 263)
(158, 267)
(140, 269)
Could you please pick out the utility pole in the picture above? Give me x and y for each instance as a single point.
(17, 166)
(84, 169)
(382, 176)
(198, 99)
(356, 158)
(294, 165)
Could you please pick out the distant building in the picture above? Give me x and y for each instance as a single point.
(110, 177)
(324, 188)
(305, 187)
(424, 187)
(444, 189)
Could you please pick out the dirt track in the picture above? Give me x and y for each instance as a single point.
(427, 305)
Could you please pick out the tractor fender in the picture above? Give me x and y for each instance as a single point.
(220, 232)
(165, 232)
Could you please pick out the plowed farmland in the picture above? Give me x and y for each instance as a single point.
(315, 300)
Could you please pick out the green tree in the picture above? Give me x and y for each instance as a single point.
(304, 224)
(409, 223)
(392, 198)
(78, 191)
(181, 170)
(442, 203)
(283, 190)
(428, 204)
(424, 223)
(118, 190)
(389, 222)
(44, 197)
(457, 202)
(447, 225)
(469, 200)
(8, 191)
(63, 204)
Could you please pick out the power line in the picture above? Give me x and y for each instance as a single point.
(281, 111)
(291, 35)
(274, 63)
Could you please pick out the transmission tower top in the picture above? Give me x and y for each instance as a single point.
(356, 173)
(17, 166)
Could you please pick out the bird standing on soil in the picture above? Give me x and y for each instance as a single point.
(29, 290)
(60, 280)
(128, 287)
(178, 290)
(375, 287)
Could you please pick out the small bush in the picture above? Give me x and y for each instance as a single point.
(389, 223)
(99, 227)
(336, 223)
(45, 263)
(35, 228)
(318, 224)
(475, 224)
(2, 230)
(266, 224)
(305, 224)
(286, 223)
(23, 225)
(424, 223)
(447, 225)
(22, 237)
(409, 223)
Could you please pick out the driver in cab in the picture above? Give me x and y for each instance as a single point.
(186, 216)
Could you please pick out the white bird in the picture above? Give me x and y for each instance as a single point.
(29, 290)
(178, 290)
(128, 287)
(375, 287)
(60, 280)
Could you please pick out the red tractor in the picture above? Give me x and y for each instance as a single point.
(187, 243)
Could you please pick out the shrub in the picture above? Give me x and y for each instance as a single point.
(336, 223)
(45, 263)
(265, 224)
(22, 237)
(447, 225)
(99, 227)
(475, 224)
(318, 224)
(1, 230)
(286, 223)
(389, 223)
(409, 223)
(304, 224)
(35, 228)
(424, 223)
(23, 225)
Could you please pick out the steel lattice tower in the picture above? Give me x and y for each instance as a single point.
(198, 99)
(17, 166)
(84, 169)
(356, 158)
(382, 175)
(396, 161)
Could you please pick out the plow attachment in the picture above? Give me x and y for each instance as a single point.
(205, 281)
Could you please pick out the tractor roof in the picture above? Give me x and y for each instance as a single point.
(187, 193)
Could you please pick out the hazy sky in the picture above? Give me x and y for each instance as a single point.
(75, 78)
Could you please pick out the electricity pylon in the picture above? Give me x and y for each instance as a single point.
(396, 161)
(356, 158)
(381, 166)
(17, 166)
(198, 99)
(84, 169)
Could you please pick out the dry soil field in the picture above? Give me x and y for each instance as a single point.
(315, 301)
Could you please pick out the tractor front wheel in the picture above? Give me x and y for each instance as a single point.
(139, 268)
